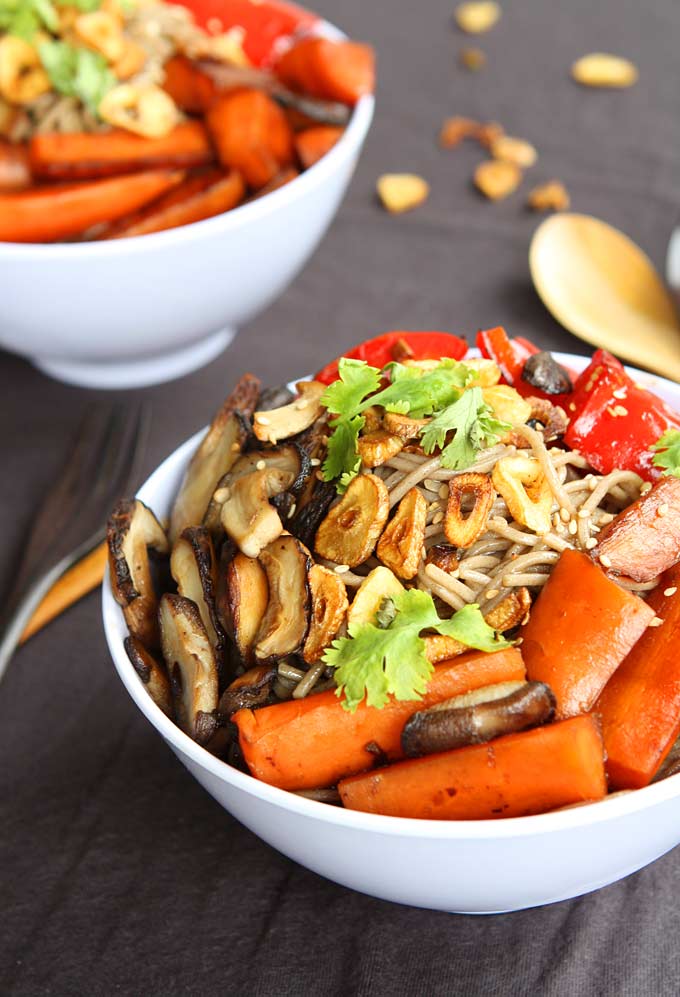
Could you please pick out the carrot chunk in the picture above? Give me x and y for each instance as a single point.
(644, 539)
(313, 742)
(513, 776)
(640, 705)
(312, 144)
(78, 156)
(190, 88)
(331, 70)
(15, 170)
(581, 628)
(252, 135)
(194, 200)
(45, 214)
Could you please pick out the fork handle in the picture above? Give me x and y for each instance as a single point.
(22, 612)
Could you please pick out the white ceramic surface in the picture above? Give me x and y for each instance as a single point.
(462, 866)
(138, 311)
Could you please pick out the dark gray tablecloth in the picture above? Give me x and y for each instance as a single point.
(119, 874)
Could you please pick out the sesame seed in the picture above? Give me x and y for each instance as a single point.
(525, 620)
(438, 518)
(670, 591)
(444, 492)
(645, 487)
(235, 447)
(340, 569)
(606, 517)
(222, 494)
(656, 622)
(620, 410)
(605, 561)
(431, 485)
(556, 520)
(583, 513)
(663, 509)
(291, 511)
(302, 404)
(492, 593)
(261, 464)
(619, 393)
(572, 407)
(592, 484)
(262, 419)
(520, 640)
(611, 411)
(590, 543)
(315, 462)
(565, 515)
(573, 527)
(319, 475)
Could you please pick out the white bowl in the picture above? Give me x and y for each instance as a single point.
(464, 866)
(138, 311)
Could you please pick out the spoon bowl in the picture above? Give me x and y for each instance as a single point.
(600, 286)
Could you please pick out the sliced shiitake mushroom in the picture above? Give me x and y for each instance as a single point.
(280, 423)
(194, 568)
(349, 532)
(274, 397)
(243, 594)
(248, 691)
(378, 447)
(132, 528)
(247, 515)
(216, 453)
(290, 457)
(329, 608)
(542, 371)
(401, 543)
(551, 419)
(151, 672)
(304, 523)
(285, 623)
(191, 665)
(478, 716)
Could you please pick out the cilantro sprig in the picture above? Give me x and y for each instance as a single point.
(667, 455)
(24, 17)
(77, 72)
(411, 391)
(388, 657)
(474, 426)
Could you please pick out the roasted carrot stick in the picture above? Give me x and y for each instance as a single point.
(581, 628)
(198, 200)
(513, 776)
(312, 144)
(313, 742)
(342, 71)
(252, 135)
(640, 705)
(15, 172)
(85, 156)
(49, 213)
(190, 88)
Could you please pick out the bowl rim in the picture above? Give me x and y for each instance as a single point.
(350, 142)
(579, 816)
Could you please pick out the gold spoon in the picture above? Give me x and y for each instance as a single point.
(599, 285)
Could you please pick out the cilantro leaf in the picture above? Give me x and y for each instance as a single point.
(344, 396)
(389, 657)
(77, 72)
(24, 18)
(667, 453)
(342, 458)
(474, 425)
(419, 393)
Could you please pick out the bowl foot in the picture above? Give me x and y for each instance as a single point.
(142, 372)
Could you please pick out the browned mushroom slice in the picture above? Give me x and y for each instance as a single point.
(349, 532)
(401, 543)
(329, 608)
(247, 515)
(378, 447)
(478, 716)
(280, 423)
(462, 528)
(132, 528)
(291, 458)
(403, 426)
(151, 672)
(191, 665)
(248, 691)
(510, 611)
(216, 453)
(194, 568)
(242, 601)
(305, 521)
(285, 623)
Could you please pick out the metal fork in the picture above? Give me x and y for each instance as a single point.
(71, 520)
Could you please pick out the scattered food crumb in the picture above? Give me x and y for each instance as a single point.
(454, 130)
(488, 133)
(602, 70)
(496, 178)
(513, 150)
(477, 16)
(550, 196)
(402, 191)
(473, 59)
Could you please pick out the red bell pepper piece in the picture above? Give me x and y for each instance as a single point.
(511, 355)
(613, 422)
(382, 350)
(264, 22)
